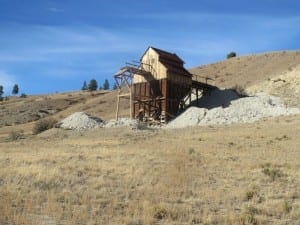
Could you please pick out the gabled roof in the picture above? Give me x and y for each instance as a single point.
(171, 61)
(165, 55)
(168, 56)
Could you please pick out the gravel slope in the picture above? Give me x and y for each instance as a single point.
(243, 110)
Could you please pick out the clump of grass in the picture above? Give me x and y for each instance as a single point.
(191, 151)
(44, 124)
(272, 172)
(250, 194)
(286, 207)
(231, 144)
(16, 135)
(160, 212)
(247, 219)
(284, 137)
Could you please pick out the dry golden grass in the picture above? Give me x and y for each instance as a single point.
(240, 174)
(249, 69)
(275, 73)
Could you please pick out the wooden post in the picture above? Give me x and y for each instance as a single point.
(117, 112)
(130, 99)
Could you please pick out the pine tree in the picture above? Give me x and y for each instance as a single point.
(15, 89)
(106, 85)
(93, 85)
(231, 55)
(1, 92)
(84, 86)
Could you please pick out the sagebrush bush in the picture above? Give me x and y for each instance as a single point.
(16, 135)
(272, 172)
(44, 124)
(23, 95)
(231, 55)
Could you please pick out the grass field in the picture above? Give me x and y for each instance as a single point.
(239, 174)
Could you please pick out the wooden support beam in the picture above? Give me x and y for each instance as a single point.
(130, 101)
(117, 111)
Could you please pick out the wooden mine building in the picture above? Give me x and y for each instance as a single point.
(158, 85)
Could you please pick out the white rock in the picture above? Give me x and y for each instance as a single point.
(81, 121)
(121, 122)
(243, 110)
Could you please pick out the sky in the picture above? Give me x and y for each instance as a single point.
(49, 46)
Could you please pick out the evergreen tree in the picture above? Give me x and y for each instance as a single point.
(93, 85)
(1, 92)
(84, 86)
(106, 85)
(231, 55)
(15, 89)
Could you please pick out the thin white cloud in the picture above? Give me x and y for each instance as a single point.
(49, 43)
(55, 10)
(12, 58)
(63, 48)
(197, 17)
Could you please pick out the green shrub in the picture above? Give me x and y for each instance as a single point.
(44, 124)
(23, 95)
(272, 172)
(231, 55)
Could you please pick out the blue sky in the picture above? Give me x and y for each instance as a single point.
(49, 46)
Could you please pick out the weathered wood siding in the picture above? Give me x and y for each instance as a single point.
(179, 79)
(169, 85)
(164, 95)
(158, 70)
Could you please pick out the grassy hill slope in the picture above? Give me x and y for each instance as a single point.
(277, 73)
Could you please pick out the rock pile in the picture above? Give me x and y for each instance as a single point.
(245, 110)
(81, 121)
(121, 122)
(221, 107)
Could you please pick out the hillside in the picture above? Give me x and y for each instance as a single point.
(275, 73)
(22, 110)
(234, 174)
